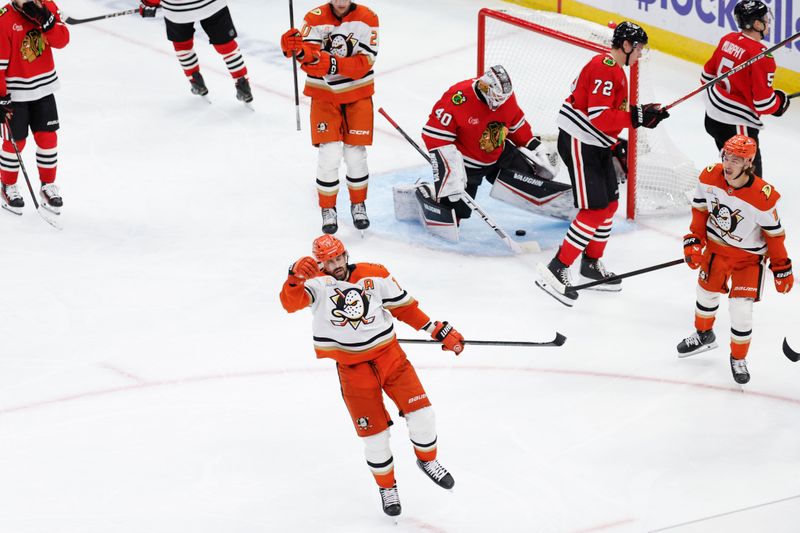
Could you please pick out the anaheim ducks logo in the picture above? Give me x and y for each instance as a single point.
(725, 219)
(352, 306)
(32, 45)
(493, 137)
(339, 45)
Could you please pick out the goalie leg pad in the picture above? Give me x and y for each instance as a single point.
(379, 458)
(422, 432)
(449, 174)
(706, 309)
(741, 310)
(328, 158)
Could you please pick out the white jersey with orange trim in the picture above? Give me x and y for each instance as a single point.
(353, 39)
(737, 221)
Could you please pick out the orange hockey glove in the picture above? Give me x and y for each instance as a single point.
(783, 276)
(693, 250)
(449, 337)
(321, 64)
(303, 269)
(292, 41)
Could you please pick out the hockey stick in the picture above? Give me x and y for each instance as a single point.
(512, 244)
(39, 209)
(734, 70)
(793, 95)
(294, 70)
(70, 20)
(790, 354)
(628, 274)
(558, 341)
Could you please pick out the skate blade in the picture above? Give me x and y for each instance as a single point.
(15, 210)
(249, 105)
(52, 209)
(554, 293)
(49, 218)
(603, 287)
(704, 348)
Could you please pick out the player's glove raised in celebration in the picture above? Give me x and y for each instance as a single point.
(321, 64)
(39, 15)
(693, 250)
(5, 106)
(303, 269)
(782, 271)
(147, 8)
(648, 115)
(450, 338)
(784, 103)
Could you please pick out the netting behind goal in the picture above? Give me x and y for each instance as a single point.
(543, 53)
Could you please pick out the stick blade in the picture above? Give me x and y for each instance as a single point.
(560, 339)
(790, 354)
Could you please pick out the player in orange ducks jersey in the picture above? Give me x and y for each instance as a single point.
(352, 307)
(735, 228)
(734, 106)
(466, 136)
(29, 30)
(337, 47)
(589, 122)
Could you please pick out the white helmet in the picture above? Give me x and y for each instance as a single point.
(495, 86)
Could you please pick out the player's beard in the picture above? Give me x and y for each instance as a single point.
(339, 273)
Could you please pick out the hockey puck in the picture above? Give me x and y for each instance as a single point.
(520, 232)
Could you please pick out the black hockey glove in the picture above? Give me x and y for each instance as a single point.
(648, 115)
(39, 15)
(784, 103)
(147, 9)
(5, 105)
(619, 152)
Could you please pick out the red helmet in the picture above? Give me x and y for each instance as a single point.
(327, 247)
(742, 146)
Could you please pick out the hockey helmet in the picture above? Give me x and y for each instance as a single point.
(747, 12)
(741, 146)
(327, 247)
(628, 31)
(495, 86)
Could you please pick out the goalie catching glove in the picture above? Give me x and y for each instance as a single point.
(543, 156)
(693, 250)
(443, 332)
(303, 269)
(784, 279)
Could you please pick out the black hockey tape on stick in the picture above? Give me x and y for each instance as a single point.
(558, 341)
(70, 20)
(790, 354)
(628, 274)
(734, 70)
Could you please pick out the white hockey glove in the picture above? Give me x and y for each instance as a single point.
(449, 174)
(544, 158)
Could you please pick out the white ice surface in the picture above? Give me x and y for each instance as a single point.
(151, 382)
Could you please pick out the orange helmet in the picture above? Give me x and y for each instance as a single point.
(742, 146)
(327, 247)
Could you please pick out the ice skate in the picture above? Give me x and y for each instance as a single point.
(12, 199)
(243, 92)
(359, 214)
(739, 371)
(699, 341)
(329, 223)
(390, 501)
(594, 270)
(198, 86)
(51, 198)
(555, 281)
(437, 473)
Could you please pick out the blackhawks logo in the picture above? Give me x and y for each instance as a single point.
(493, 137)
(352, 307)
(33, 46)
(458, 98)
(726, 220)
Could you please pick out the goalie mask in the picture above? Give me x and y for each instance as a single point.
(495, 86)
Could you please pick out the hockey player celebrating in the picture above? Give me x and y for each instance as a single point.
(352, 307)
(735, 105)
(467, 133)
(215, 18)
(30, 30)
(337, 47)
(589, 122)
(735, 227)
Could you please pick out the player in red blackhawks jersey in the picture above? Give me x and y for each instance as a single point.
(466, 136)
(735, 228)
(734, 106)
(29, 30)
(214, 16)
(353, 308)
(589, 122)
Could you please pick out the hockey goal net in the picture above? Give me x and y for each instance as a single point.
(544, 52)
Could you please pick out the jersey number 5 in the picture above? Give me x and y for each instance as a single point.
(444, 118)
(606, 85)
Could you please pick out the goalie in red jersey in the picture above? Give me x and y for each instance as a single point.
(735, 228)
